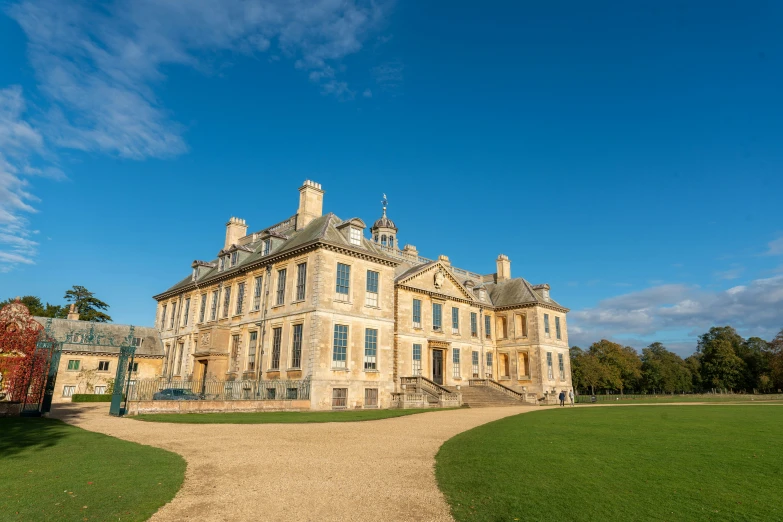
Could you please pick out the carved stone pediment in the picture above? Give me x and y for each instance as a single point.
(437, 279)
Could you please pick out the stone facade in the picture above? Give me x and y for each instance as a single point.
(313, 298)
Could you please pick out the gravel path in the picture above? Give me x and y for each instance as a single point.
(373, 470)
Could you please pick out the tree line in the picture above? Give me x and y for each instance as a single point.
(90, 307)
(723, 361)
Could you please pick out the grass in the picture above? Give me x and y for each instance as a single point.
(665, 399)
(647, 463)
(53, 471)
(279, 417)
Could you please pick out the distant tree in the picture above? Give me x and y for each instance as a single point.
(755, 353)
(622, 366)
(775, 358)
(576, 371)
(693, 362)
(721, 367)
(664, 370)
(37, 307)
(88, 305)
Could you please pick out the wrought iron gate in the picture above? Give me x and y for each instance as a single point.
(40, 388)
(122, 379)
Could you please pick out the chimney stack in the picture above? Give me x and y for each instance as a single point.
(503, 268)
(311, 203)
(73, 313)
(235, 229)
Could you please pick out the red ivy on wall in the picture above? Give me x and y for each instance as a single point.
(20, 367)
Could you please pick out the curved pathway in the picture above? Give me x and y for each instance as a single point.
(372, 470)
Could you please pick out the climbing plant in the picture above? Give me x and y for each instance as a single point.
(21, 368)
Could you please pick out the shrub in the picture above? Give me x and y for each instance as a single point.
(91, 397)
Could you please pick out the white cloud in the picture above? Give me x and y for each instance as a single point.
(389, 76)
(732, 273)
(19, 144)
(100, 66)
(665, 311)
(775, 247)
(367, 93)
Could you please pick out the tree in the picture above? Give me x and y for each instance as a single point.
(693, 363)
(721, 367)
(755, 353)
(88, 305)
(775, 358)
(622, 366)
(37, 308)
(664, 370)
(592, 371)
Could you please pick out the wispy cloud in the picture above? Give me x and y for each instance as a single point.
(668, 310)
(20, 143)
(99, 68)
(389, 76)
(775, 247)
(732, 273)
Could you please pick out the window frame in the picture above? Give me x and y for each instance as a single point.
(456, 372)
(173, 320)
(240, 304)
(473, 324)
(342, 286)
(340, 347)
(301, 281)
(213, 310)
(282, 274)
(550, 369)
(558, 335)
(474, 360)
(416, 313)
(416, 358)
(163, 317)
(296, 345)
(203, 308)
(488, 326)
(74, 367)
(252, 346)
(546, 325)
(277, 341)
(370, 349)
(257, 290)
(437, 317)
(372, 288)
(226, 301)
(454, 320)
(355, 236)
(561, 365)
(371, 398)
(69, 390)
(103, 366)
(339, 398)
(187, 312)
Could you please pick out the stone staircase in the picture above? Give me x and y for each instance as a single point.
(485, 397)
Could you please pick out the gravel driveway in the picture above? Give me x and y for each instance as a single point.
(373, 470)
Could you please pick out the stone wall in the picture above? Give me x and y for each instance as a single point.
(139, 407)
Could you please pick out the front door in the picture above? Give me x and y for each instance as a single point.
(437, 366)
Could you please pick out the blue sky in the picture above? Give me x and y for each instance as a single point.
(628, 155)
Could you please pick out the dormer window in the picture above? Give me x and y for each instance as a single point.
(234, 258)
(267, 247)
(356, 236)
(195, 273)
(222, 264)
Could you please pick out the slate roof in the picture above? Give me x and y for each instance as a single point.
(106, 337)
(322, 229)
(516, 291)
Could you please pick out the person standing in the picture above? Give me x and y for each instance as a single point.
(562, 398)
(571, 397)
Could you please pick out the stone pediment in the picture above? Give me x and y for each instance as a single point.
(437, 279)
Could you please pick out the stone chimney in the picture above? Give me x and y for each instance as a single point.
(444, 260)
(311, 203)
(73, 313)
(235, 228)
(504, 268)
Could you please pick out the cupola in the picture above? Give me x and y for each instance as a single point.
(384, 231)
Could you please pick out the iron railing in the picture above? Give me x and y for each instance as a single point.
(278, 389)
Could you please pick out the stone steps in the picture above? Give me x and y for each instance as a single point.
(485, 397)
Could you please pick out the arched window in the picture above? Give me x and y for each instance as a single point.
(383, 240)
(391, 241)
(376, 238)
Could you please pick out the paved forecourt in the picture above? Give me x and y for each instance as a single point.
(373, 470)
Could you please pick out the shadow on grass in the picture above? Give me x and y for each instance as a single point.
(21, 434)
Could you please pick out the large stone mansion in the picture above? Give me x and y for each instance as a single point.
(312, 297)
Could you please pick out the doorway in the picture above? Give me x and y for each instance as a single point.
(437, 366)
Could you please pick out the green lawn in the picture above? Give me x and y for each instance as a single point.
(625, 463)
(53, 471)
(279, 417)
(664, 399)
